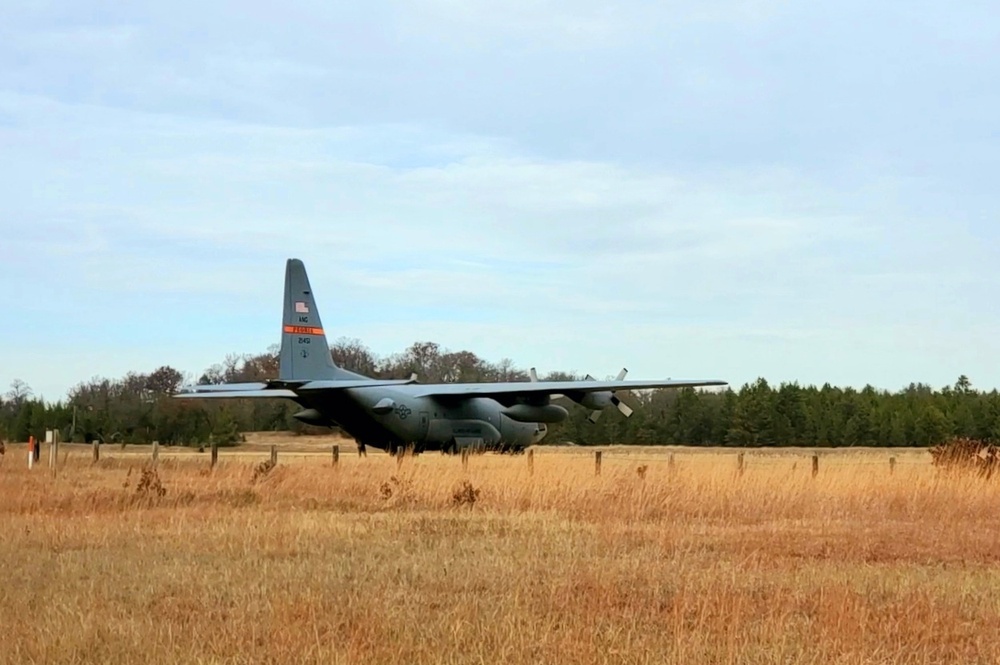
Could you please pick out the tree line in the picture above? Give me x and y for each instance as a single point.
(138, 408)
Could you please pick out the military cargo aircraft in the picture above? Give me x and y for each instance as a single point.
(395, 414)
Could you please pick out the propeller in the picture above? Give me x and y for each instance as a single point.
(625, 409)
(533, 375)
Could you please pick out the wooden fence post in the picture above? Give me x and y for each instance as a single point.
(465, 458)
(215, 453)
(53, 451)
(671, 465)
(531, 462)
(815, 471)
(274, 455)
(156, 452)
(336, 454)
(597, 463)
(892, 465)
(740, 465)
(96, 445)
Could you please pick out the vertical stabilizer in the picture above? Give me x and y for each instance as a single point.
(305, 353)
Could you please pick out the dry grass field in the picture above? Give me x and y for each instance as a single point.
(427, 562)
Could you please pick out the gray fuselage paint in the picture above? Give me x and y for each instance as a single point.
(445, 426)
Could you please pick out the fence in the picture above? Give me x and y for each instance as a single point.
(742, 460)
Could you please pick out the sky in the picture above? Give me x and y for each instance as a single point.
(801, 191)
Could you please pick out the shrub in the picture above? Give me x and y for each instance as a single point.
(465, 494)
(966, 454)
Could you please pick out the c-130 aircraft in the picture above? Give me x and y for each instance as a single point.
(395, 414)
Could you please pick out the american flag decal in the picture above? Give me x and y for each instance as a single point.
(301, 308)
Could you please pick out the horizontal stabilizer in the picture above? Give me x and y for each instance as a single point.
(289, 389)
(223, 387)
(237, 394)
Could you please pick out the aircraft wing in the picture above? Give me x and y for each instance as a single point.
(292, 389)
(463, 390)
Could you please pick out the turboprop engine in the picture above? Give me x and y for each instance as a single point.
(599, 401)
(531, 413)
(596, 402)
(313, 417)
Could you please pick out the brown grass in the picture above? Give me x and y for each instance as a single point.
(423, 562)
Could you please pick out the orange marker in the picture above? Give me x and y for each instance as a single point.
(302, 330)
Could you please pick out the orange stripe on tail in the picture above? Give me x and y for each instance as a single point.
(302, 330)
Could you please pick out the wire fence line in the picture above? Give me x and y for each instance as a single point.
(742, 459)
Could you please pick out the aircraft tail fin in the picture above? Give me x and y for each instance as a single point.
(305, 353)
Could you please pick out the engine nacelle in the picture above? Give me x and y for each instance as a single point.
(528, 413)
(596, 401)
(313, 417)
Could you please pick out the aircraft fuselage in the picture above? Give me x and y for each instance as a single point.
(391, 419)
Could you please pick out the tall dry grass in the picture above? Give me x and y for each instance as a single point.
(428, 563)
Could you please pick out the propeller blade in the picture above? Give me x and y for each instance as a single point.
(622, 406)
(589, 378)
(622, 374)
(594, 417)
(533, 375)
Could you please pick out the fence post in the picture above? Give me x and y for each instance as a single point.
(96, 445)
(215, 453)
(815, 471)
(671, 465)
(892, 465)
(336, 454)
(597, 463)
(274, 455)
(465, 458)
(53, 451)
(31, 452)
(156, 452)
(740, 465)
(531, 461)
